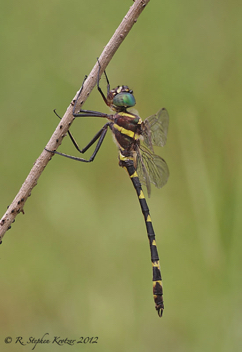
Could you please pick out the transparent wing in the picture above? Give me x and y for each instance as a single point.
(151, 168)
(142, 172)
(155, 128)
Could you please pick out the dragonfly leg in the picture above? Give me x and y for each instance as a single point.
(99, 136)
(74, 107)
(98, 86)
(88, 113)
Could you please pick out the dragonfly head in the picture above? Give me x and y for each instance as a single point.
(121, 98)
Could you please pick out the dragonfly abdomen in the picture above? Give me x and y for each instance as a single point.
(157, 280)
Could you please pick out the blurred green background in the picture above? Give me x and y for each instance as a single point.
(78, 262)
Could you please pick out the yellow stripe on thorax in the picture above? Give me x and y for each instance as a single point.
(131, 116)
(128, 133)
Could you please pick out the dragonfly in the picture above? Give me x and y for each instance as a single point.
(135, 140)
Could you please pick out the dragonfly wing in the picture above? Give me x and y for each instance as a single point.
(143, 173)
(151, 168)
(155, 129)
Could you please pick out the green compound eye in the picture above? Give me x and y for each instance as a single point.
(124, 99)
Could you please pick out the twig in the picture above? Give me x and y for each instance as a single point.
(25, 191)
